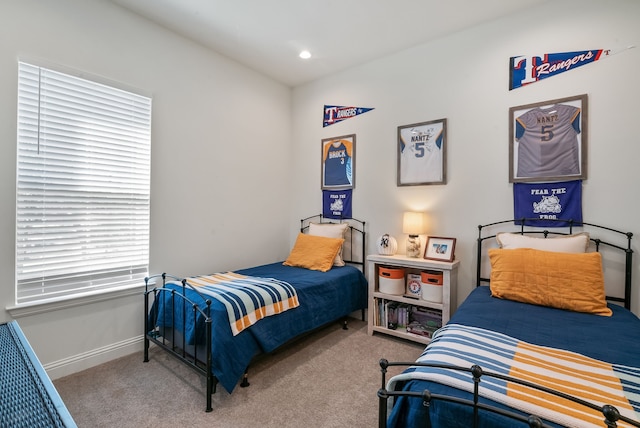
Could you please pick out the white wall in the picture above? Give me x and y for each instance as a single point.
(464, 78)
(220, 161)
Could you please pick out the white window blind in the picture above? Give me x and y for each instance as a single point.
(82, 186)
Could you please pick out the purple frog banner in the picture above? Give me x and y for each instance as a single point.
(336, 204)
(548, 201)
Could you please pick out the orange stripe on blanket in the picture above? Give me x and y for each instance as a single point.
(564, 355)
(261, 312)
(588, 374)
(201, 281)
(247, 299)
(555, 403)
(581, 383)
(561, 405)
(580, 390)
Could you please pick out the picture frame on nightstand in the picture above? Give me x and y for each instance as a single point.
(440, 248)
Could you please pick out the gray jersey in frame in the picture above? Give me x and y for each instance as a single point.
(548, 142)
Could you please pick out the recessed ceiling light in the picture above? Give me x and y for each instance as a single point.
(305, 55)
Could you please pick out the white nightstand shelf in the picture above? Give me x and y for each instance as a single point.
(377, 299)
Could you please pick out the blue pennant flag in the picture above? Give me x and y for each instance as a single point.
(553, 201)
(335, 114)
(336, 203)
(526, 69)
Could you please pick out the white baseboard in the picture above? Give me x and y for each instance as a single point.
(86, 360)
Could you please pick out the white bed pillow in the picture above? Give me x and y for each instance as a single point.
(330, 230)
(577, 243)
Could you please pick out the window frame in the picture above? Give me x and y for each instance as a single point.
(143, 138)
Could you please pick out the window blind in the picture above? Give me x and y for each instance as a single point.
(83, 180)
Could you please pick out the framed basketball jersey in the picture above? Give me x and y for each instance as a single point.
(338, 162)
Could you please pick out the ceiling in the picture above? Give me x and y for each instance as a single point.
(267, 35)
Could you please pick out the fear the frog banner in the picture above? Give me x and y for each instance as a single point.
(548, 201)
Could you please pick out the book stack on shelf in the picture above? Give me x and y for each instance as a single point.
(424, 321)
(409, 318)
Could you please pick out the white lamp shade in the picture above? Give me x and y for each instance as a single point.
(414, 223)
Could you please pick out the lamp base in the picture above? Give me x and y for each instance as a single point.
(413, 246)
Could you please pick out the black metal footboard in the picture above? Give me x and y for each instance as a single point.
(172, 339)
(610, 414)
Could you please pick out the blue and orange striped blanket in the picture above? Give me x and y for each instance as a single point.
(247, 299)
(574, 374)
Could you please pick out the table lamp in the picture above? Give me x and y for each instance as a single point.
(414, 224)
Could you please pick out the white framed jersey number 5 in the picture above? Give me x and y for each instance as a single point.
(422, 153)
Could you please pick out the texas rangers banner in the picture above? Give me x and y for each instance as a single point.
(335, 114)
(524, 69)
(336, 203)
(548, 201)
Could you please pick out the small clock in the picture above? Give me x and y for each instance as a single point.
(414, 286)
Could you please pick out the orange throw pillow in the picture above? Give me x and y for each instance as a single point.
(560, 280)
(314, 252)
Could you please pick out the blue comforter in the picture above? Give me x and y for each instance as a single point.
(612, 339)
(323, 297)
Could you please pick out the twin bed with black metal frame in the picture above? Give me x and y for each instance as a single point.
(216, 324)
(539, 345)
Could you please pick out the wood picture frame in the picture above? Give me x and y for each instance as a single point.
(422, 153)
(440, 248)
(548, 140)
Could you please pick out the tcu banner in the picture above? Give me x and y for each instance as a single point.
(524, 70)
(548, 201)
(335, 114)
(336, 203)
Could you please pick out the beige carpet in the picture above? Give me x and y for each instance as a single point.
(327, 379)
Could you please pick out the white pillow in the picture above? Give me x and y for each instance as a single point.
(330, 230)
(577, 243)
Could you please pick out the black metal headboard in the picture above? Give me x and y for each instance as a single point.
(354, 249)
(612, 238)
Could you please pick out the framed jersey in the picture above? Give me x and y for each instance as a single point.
(338, 162)
(548, 140)
(422, 152)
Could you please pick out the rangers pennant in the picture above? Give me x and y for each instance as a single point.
(335, 114)
(524, 70)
